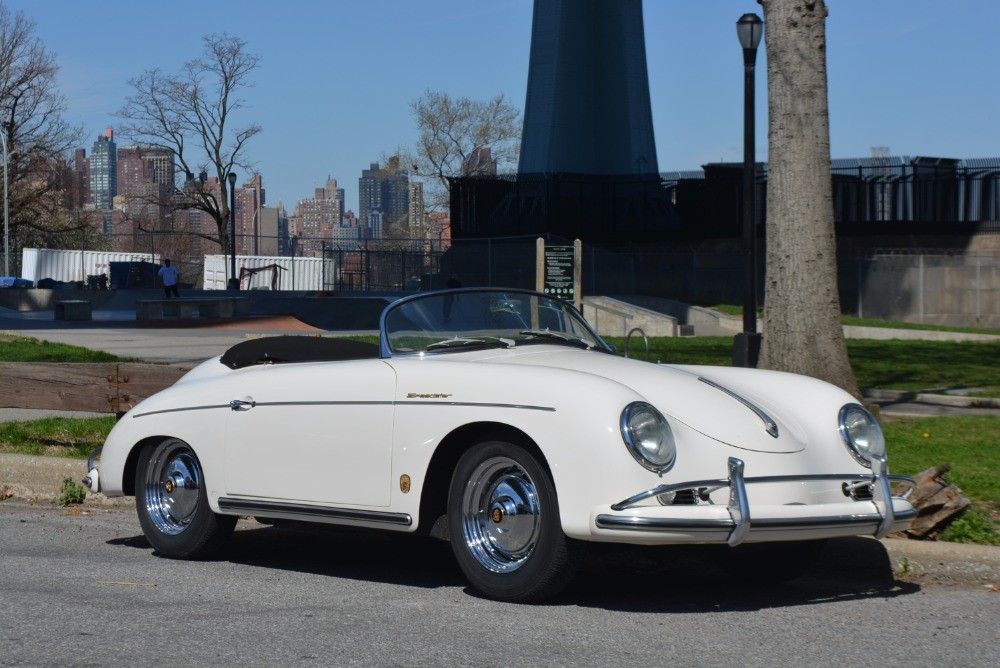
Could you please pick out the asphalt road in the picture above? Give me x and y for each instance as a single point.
(87, 590)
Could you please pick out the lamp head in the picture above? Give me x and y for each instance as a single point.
(232, 180)
(749, 29)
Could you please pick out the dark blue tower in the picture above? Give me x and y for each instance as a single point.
(587, 109)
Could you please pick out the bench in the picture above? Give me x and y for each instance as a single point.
(73, 309)
(184, 308)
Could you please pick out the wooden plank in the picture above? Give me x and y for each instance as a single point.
(139, 381)
(101, 388)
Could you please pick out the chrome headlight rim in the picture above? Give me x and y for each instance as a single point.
(860, 454)
(631, 440)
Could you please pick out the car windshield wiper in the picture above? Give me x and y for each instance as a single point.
(460, 342)
(560, 336)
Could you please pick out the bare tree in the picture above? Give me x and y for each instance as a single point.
(452, 130)
(38, 138)
(802, 327)
(192, 114)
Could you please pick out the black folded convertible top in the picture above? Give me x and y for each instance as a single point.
(284, 349)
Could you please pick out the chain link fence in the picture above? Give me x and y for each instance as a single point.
(953, 287)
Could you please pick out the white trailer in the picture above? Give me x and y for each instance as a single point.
(294, 273)
(74, 265)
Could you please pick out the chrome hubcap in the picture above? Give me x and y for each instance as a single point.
(501, 515)
(173, 480)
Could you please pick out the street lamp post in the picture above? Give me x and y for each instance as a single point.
(6, 213)
(746, 348)
(234, 283)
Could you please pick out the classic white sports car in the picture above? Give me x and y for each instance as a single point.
(498, 419)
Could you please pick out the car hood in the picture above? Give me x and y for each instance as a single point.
(734, 413)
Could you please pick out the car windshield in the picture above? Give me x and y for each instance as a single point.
(472, 318)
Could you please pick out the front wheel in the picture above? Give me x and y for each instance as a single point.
(503, 516)
(172, 504)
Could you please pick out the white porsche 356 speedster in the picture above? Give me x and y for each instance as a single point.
(499, 420)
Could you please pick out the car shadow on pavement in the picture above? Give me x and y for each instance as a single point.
(339, 552)
(622, 578)
(685, 580)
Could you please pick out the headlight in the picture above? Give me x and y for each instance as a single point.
(648, 436)
(862, 433)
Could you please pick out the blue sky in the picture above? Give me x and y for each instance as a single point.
(337, 76)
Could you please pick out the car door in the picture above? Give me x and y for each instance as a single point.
(316, 432)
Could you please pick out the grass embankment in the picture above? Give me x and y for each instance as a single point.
(58, 437)
(967, 444)
(736, 311)
(912, 366)
(55, 436)
(25, 349)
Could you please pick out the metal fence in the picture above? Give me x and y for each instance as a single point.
(931, 286)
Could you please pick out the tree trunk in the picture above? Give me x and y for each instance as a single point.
(802, 328)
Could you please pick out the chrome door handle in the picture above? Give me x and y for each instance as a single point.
(237, 404)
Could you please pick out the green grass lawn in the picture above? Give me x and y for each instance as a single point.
(25, 349)
(971, 446)
(55, 437)
(888, 365)
(736, 310)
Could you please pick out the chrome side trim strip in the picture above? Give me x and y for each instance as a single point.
(467, 404)
(769, 424)
(302, 511)
(661, 524)
(324, 403)
(180, 410)
(525, 407)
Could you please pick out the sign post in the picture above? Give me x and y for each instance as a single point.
(558, 271)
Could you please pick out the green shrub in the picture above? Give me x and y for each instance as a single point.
(72, 492)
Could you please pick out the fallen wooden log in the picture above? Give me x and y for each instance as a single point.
(937, 502)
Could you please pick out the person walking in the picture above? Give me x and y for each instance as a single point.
(169, 275)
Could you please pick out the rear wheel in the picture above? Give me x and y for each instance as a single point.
(503, 516)
(172, 504)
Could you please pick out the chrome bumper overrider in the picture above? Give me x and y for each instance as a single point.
(739, 522)
(93, 480)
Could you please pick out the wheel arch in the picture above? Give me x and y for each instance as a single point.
(434, 494)
(132, 462)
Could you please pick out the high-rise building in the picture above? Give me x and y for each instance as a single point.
(80, 189)
(480, 163)
(335, 193)
(145, 186)
(104, 170)
(415, 219)
(317, 217)
(249, 202)
(144, 165)
(386, 193)
(369, 193)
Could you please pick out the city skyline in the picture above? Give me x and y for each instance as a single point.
(336, 80)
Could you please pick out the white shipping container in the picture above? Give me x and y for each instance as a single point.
(299, 273)
(73, 265)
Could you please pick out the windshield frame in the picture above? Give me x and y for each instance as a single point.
(386, 352)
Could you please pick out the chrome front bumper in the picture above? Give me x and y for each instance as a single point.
(734, 522)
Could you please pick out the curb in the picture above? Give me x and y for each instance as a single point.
(932, 399)
(930, 562)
